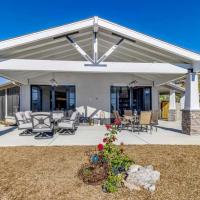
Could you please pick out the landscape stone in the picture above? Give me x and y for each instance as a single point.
(138, 176)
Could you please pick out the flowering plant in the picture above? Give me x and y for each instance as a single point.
(108, 164)
(118, 162)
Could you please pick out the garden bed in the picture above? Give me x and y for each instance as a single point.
(51, 173)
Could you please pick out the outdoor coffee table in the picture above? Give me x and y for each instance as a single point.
(86, 121)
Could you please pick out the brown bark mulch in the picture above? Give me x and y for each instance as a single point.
(51, 173)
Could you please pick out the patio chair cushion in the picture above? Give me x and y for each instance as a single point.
(66, 124)
(69, 113)
(145, 118)
(20, 117)
(27, 115)
(58, 115)
(25, 126)
(74, 116)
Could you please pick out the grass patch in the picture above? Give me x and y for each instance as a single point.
(51, 173)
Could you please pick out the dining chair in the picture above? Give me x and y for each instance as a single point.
(145, 121)
(128, 112)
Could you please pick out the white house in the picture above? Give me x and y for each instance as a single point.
(97, 66)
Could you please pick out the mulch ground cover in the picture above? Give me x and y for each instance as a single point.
(51, 173)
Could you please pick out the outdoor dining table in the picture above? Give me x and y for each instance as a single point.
(133, 119)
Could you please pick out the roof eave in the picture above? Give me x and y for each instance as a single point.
(148, 40)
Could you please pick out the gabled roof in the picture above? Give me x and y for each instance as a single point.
(173, 86)
(137, 47)
(8, 84)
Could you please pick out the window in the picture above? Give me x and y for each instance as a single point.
(120, 98)
(2, 104)
(36, 98)
(12, 101)
(125, 98)
(45, 98)
(141, 98)
(71, 98)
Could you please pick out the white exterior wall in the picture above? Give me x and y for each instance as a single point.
(92, 90)
(25, 98)
(155, 99)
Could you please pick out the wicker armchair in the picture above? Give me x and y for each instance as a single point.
(144, 123)
(128, 112)
(154, 119)
(124, 123)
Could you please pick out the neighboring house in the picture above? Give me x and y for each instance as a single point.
(97, 66)
(9, 101)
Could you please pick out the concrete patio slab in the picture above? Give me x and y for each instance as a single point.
(167, 133)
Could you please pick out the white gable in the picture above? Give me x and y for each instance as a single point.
(136, 47)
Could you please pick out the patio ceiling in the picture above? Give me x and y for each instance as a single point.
(136, 47)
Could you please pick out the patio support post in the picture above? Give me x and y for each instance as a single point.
(53, 98)
(191, 112)
(155, 99)
(172, 106)
(25, 97)
(6, 103)
(182, 101)
(95, 40)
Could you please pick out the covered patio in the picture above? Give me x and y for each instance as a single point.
(168, 133)
(92, 56)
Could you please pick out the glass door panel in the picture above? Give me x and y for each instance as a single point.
(120, 98)
(71, 98)
(124, 99)
(46, 98)
(141, 99)
(36, 99)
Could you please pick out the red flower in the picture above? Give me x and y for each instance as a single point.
(100, 147)
(117, 122)
(108, 126)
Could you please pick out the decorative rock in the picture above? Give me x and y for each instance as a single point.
(152, 188)
(134, 168)
(138, 176)
(149, 167)
(131, 186)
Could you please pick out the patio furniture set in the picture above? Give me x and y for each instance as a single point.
(137, 123)
(45, 124)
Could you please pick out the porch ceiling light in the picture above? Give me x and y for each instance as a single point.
(53, 82)
(132, 83)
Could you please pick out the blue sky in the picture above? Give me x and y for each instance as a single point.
(174, 21)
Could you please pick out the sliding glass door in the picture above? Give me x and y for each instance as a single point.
(120, 98)
(46, 98)
(141, 98)
(125, 98)
(36, 98)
